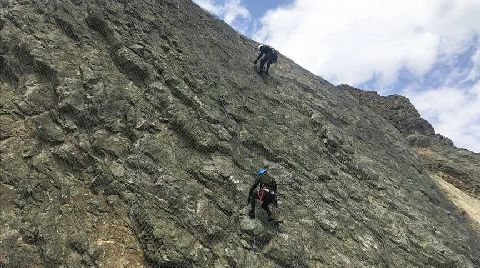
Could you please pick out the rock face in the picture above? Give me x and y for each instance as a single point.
(130, 130)
(460, 167)
(395, 108)
(457, 166)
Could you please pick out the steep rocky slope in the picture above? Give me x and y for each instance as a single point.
(455, 165)
(130, 131)
(395, 108)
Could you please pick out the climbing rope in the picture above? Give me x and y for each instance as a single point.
(254, 234)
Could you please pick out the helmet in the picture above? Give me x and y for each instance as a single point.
(261, 171)
(259, 47)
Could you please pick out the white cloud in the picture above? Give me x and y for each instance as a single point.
(474, 73)
(454, 112)
(349, 41)
(210, 6)
(231, 11)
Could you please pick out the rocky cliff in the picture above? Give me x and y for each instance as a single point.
(130, 130)
(395, 108)
(455, 165)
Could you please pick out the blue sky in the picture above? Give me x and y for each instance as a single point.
(429, 53)
(258, 8)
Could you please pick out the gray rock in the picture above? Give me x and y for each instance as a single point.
(130, 132)
(396, 109)
(251, 225)
(79, 242)
(443, 159)
(419, 140)
(47, 130)
(116, 145)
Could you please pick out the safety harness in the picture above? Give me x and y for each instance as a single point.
(263, 192)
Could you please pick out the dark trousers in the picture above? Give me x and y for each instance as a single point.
(264, 60)
(268, 199)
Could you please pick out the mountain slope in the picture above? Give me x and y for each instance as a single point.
(455, 170)
(458, 166)
(130, 131)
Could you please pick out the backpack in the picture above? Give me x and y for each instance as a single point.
(273, 56)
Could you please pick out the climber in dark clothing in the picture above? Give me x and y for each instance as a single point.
(267, 194)
(270, 56)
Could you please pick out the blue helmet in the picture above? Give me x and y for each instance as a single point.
(261, 171)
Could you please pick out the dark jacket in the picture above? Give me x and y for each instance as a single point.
(269, 53)
(267, 50)
(265, 181)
